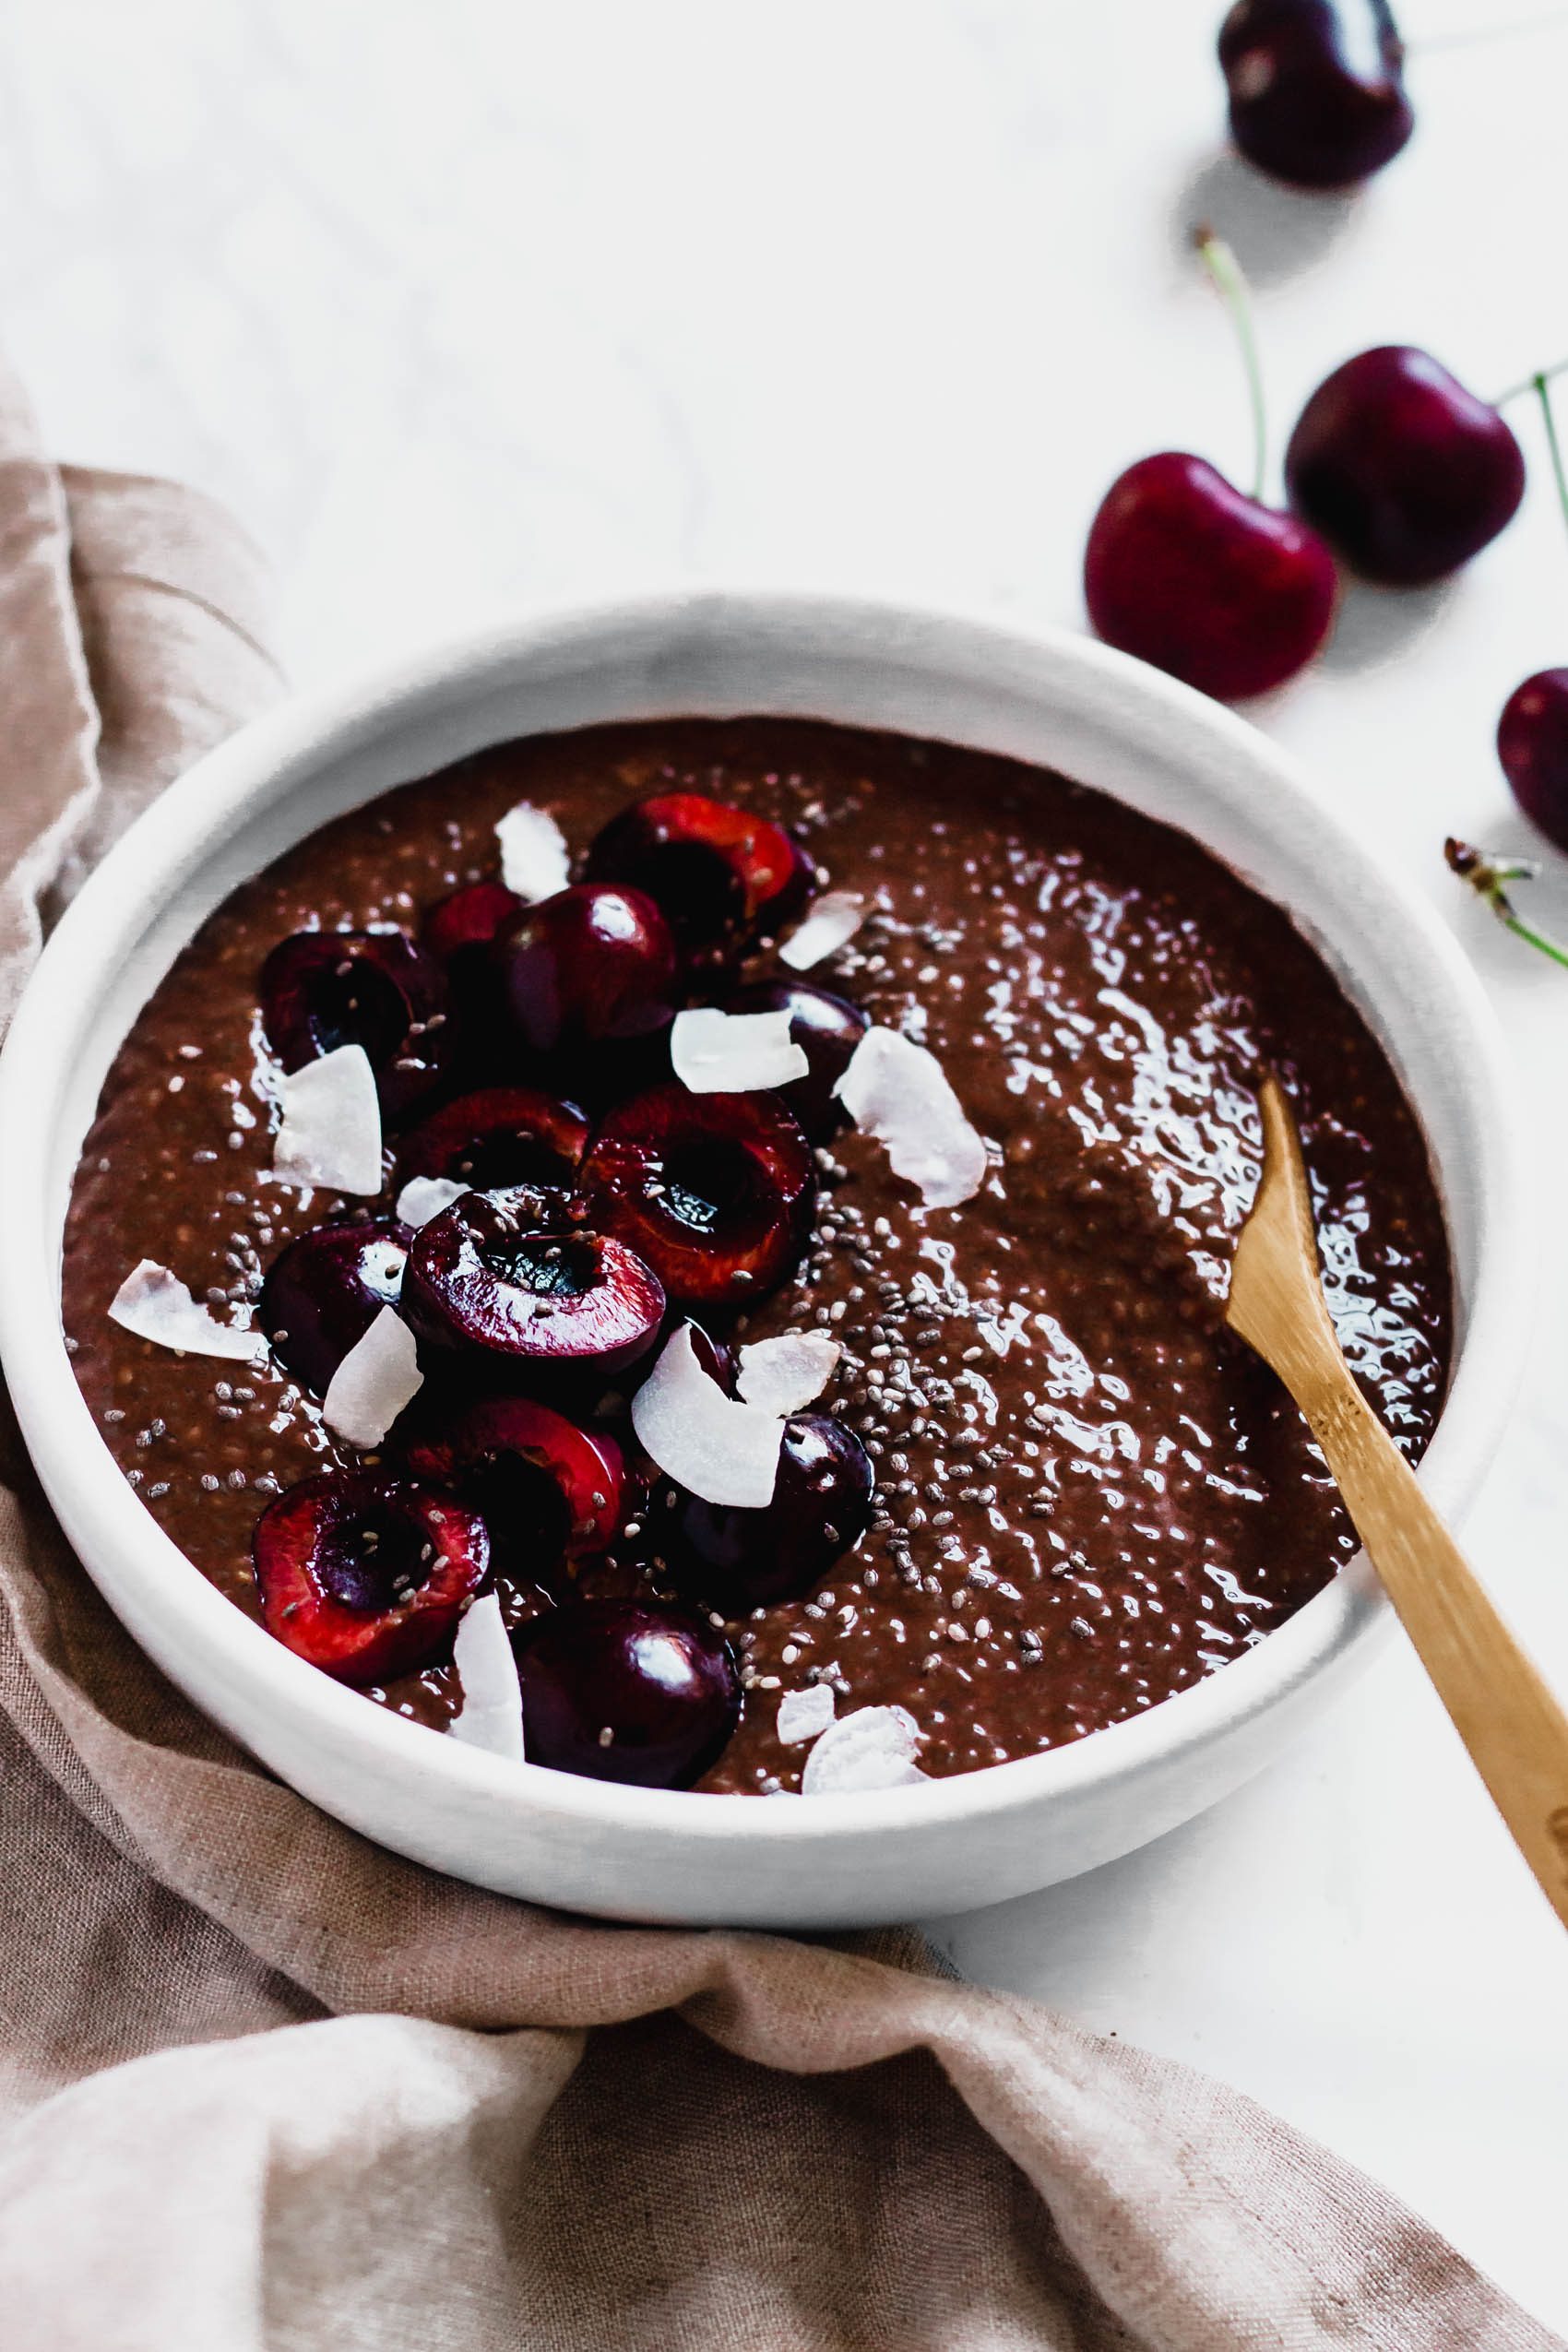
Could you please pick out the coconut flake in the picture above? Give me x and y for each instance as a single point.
(831, 924)
(715, 1052)
(702, 1439)
(423, 1197)
(803, 1714)
(783, 1375)
(874, 1747)
(896, 1091)
(534, 860)
(378, 1376)
(331, 1130)
(156, 1305)
(492, 1714)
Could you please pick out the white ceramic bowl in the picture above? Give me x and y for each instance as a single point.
(1057, 700)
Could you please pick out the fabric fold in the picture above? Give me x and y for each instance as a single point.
(265, 2085)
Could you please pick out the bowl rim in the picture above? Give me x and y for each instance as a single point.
(138, 1566)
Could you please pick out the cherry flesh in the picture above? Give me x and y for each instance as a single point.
(324, 1291)
(502, 1135)
(518, 1299)
(1403, 470)
(1532, 744)
(721, 875)
(376, 988)
(365, 1576)
(1219, 590)
(613, 1690)
(737, 1560)
(826, 1028)
(713, 1191)
(547, 1490)
(1316, 92)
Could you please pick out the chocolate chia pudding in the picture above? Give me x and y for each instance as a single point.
(1080, 1494)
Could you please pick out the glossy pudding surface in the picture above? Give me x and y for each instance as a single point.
(1087, 1494)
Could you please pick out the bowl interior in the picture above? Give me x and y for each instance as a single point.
(1056, 701)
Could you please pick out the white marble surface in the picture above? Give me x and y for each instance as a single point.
(467, 307)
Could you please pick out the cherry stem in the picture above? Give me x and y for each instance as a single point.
(1531, 383)
(1225, 271)
(1489, 877)
(1534, 939)
(1552, 443)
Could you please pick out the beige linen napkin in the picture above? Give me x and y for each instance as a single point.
(264, 2087)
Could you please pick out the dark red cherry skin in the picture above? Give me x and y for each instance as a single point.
(718, 1359)
(1532, 744)
(737, 1560)
(1405, 472)
(324, 1291)
(547, 1490)
(518, 1299)
(1221, 591)
(595, 964)
(721, 875)
(323, 989)
(461, 931)
(826, 1028)
(502, 1135)
(468, 917)
(1317, 97)
(714, 1191)
(364, 1576)
(659, 1682)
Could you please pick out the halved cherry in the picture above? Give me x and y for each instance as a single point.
(721, 875)
(501, 1135)
(480, 1281)
(364, 1576)
(713, 1190)
(323, 989)
(617, 1691)
(324, 1291)
(546, 1489)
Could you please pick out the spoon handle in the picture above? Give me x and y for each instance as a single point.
(1510, 1721)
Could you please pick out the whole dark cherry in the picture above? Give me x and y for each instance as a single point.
(714, 1191)
(365, 1576)
(324, 1291)
(516, 1299)
(502, 1135)
(594, 965)
(1317, 88)
(1183, 570)
(1405, 472)
(721, 875)
(547, 1490)
(615, 1689)
(469, 918)
(321, 989)
(738, 1560)
(826, 1028)
(460, 930)
(1532, 744)
(1222, 591)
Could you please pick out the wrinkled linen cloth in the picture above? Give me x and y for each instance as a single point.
(265, 2088)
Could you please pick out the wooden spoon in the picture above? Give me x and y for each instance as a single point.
(1514, 1727)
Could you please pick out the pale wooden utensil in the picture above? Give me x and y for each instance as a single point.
(1516, 1733)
